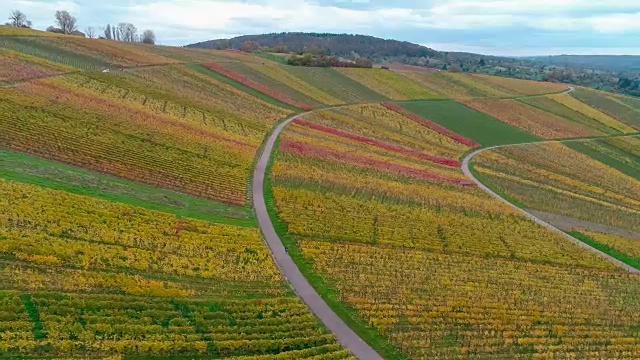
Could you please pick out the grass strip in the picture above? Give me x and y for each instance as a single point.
(20, 167)
(625, 258)
(34, 315)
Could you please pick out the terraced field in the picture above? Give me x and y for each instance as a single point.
(426, 263)
(84, 276)
(168, 126)
(125, 229)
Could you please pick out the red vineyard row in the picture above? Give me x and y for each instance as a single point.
(256, 85)
(381, 144)
(300, 148)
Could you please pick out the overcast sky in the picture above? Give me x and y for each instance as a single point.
(516, 27)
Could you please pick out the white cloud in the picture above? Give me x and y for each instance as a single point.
(615, 23)
(440, 21)
(240, 18)
(41, 13)
(531, 7)
(279, 15)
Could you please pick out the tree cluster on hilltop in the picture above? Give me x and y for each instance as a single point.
(315, 60)
(18, 19)
(67, 24)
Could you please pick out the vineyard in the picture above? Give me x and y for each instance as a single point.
(126, 229)
(85, 276)
(436, 268)
(565, 181)
(125, 125)
(595, 182)
(617, 107)
(470, 123)
(530, 119)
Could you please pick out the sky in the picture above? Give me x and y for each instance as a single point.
(492, 27)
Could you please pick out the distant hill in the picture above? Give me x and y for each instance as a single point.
(343, 45)
(612, 62)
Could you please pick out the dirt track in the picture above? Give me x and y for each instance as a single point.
(567, 223)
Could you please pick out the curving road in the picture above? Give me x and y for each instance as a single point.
(467, 171)
(347, 337)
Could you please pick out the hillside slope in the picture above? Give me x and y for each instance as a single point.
(126, 225)
(609, 73)
(344, 45)
(96, 263)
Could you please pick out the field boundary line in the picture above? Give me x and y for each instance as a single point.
(469, 173)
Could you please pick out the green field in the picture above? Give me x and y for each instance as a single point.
(279, 58)
(23, 168)
(469, 123)
(336, 84)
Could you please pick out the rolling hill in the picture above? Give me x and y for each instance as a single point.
(343, 45)
(610, 73)
(129, 226)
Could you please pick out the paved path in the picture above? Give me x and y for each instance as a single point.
(465, 169)
(347, 337)
(568, 223)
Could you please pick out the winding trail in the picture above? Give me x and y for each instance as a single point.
(343, 333)
(467, 171)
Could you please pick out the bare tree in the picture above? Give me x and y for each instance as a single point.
(19, 19)
(66, 22)
(127, 32)
(148, 37)
(250, 46)
(107, 32)
(90, 31)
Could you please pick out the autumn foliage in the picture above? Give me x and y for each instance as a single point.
(255, 85)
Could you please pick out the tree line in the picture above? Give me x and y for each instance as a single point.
(65, 23)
